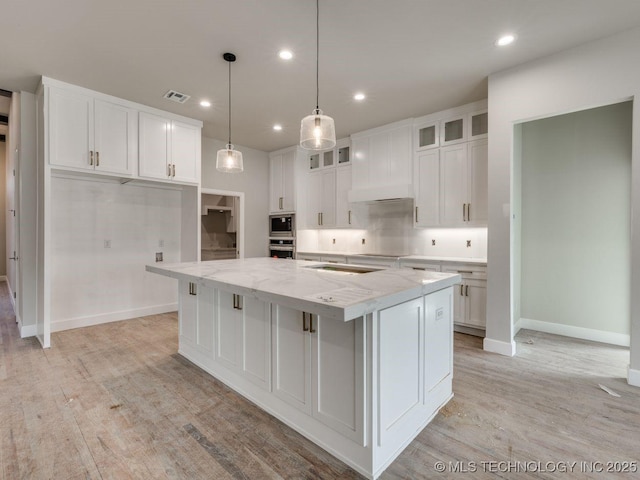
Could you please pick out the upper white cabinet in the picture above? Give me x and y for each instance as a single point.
(90, 134)
(337, 156)
(450, 181)
(381, 163)
(169, 149)
(283, 166)
(95, 133)
(321, 199)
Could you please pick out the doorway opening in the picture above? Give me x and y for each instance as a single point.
(222, 225)
(572, 224)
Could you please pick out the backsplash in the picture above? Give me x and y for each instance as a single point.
(390, 231)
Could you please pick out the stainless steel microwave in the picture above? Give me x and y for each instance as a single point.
(282, 225)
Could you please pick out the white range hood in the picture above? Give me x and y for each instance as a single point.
(381, 193)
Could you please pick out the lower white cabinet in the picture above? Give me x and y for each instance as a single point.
(196, 311)
(318, 367)
(243, 336)
(470, 297)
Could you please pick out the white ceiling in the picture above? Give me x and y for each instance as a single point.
(411, 57)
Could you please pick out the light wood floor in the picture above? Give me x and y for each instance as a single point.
(115, 402)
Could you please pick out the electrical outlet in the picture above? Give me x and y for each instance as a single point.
(107, 244)
(468, 243)
(363, 241)
(433, 242)
(334, 241)
(158, 256)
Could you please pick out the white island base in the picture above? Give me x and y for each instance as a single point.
(362, 389)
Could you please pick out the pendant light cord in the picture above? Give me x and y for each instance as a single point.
(229, 102)
(317, 54)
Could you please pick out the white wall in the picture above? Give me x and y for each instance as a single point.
(576, 238)
(92, 284)
(253, 181)
(592, 75)
(389, 229)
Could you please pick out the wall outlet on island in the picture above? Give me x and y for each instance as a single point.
(334, 241)
(363, 241)
(158, 256)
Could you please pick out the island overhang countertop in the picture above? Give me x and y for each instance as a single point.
(331, 291)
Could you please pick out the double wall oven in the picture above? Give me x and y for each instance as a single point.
(282, 235)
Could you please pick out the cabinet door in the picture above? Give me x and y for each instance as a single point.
(453, 130)
(427, 185)
(275, 184)
(328, 198)
(453, 184)
(70, 129)
(314, 199)
(256, 341)
(344, 213)
(291, 357)
(289, 181)
(438, 361)
(338, 375)
(476, 303)
(360, 162)
(478, 181)
(153, 155)
(187, 311)
(459, 304)
(228, 330)
(185, 152)
(114, 138)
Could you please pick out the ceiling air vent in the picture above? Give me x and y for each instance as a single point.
(176, 96)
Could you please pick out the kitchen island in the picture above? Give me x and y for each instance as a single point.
(357, 359)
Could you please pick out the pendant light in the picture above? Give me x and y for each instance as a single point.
(229, 160)
(317, 131)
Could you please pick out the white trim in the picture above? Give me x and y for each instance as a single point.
(240, 228)
(67, 324)
(508, 349)
(582, 333)
(633, 377)
(517, 326)
(28, 331)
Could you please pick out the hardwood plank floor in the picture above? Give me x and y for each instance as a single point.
(116, 401)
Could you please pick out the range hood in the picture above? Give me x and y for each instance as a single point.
(381, 193)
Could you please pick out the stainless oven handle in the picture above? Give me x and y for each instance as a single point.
(280, 248)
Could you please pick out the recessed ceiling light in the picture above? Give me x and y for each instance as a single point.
(359, 96)
(277, 127)
(205, 103)
(505, 40)
(285, 54)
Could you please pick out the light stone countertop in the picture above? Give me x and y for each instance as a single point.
(292, 283)
(423, 258)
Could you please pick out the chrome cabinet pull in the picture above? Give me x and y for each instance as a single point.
(461, 290)
(280, 203)
(97, 159)
(192, 289)
(239, 302)
(464, 212)
(91, 157)
(304, 322)
(466, 290)
(468, 212)
(169, 170)
(319, 219)
(349, 217)
(416, 214)
(173, 170)
(311, 329)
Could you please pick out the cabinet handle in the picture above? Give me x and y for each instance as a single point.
(169, 170)
(91, 157)
(416, 214)
(173, 170)
(468, 212)
(304, 322)
(319, 219)
(192, 289)
(466, 290)
(461, 290)
(464, 212)
(280, 203)
(97, 159)
(239, 302)
(349, 217)
(311, 329)
(235, 301)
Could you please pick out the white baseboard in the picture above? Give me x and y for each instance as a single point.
(633, 377)
(78, 322)
(28, 331)
(582, 333)
(508, 349)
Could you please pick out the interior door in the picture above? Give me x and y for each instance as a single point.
(11, 222)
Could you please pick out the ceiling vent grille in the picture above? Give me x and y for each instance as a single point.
(176, 96)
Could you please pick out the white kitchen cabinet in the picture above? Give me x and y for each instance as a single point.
(169, 150)
(348, 215)
(243, 340)
(478, 123)
(282, 175)
(381, 163)
(88, 134)
(453, 130)
(195, 305)
(470, 297)
(321, 199)
(318, 366)
(451, 185)
(427, 135)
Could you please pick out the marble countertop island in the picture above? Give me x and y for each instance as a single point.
(297, 284)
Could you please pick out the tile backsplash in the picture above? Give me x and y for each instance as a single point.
(390, 231)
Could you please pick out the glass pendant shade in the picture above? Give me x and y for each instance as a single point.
(229, 160)
(317, 131)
